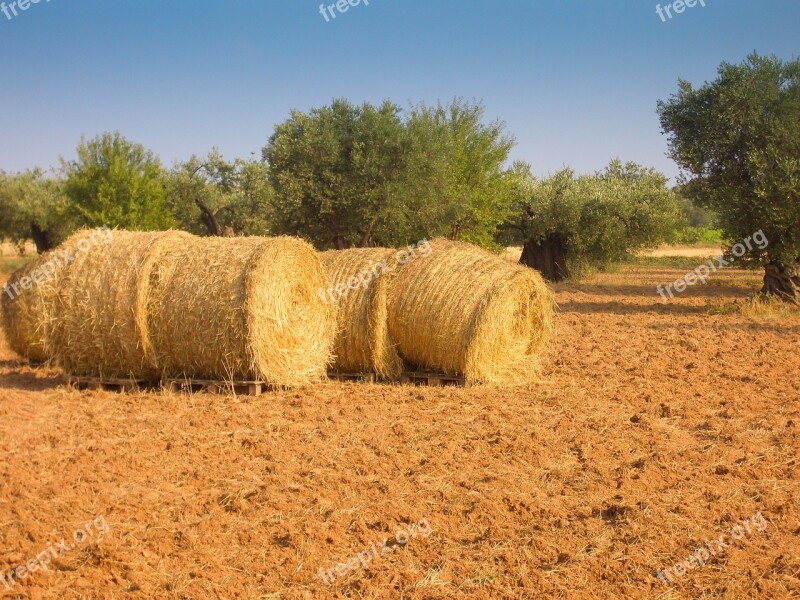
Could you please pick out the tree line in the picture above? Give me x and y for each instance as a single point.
(347, 175)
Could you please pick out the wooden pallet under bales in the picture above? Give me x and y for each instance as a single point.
(216, 386)
(110, 384)
(432, 379)
(361, 377)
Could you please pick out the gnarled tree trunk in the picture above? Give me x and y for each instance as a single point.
(783, 281)
(549, 257)
(41, 238)
(209, 218)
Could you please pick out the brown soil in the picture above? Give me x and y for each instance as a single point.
(657, 428)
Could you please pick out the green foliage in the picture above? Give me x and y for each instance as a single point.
(336, 172)
(459, 177)
(249, 209)
(738, 140)
(348, 175)
(696, 216)
(238, 194)
(600, 218)
(700, 236)
(117, 183)
(32, 205)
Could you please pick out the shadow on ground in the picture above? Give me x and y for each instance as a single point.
(18, 374)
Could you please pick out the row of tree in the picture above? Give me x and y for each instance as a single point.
(345, 175)
(117, 183)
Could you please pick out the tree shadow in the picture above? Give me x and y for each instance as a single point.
(761, 326)
(622, 308)
(715, 291)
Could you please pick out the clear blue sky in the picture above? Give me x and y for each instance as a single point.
(575, 81)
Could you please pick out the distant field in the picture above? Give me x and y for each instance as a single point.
(689, 251)
(10, 250)
(513, 253)
(12, 263)
(10, 258)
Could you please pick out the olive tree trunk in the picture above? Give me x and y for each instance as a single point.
(547, 256)
(41, 238)
(782, 281)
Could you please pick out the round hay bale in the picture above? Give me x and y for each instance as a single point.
(360, 280)
(29, 297)
(242, 308)
(463, 310)
(102, 327)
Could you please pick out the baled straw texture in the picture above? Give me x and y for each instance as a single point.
(242, 309)
(29, 310)
(360, 280)
(102, 328)
(26, 312)
(463, 310)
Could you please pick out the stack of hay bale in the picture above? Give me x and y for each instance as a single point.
(453, 308)
(169, 304)
(150, 305)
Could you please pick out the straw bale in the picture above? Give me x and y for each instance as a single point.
(102, 328)
(241, 308)
(30, 295)
(360, 279)
(464, 310)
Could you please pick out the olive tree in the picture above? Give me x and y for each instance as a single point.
(737, 140)
(117, 183)
(346, 175)
(565, 222)
(210, 196)
(33, 206)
